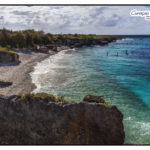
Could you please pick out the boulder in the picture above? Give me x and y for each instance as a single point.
(92, 98)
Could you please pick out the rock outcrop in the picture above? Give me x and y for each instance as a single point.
(92, 99)
(6, 57)
(62, 44)
(76, 43)
(43, 121)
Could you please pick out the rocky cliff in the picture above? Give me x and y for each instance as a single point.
(77, 43)
(38, 120)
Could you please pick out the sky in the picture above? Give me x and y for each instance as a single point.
(108, 20)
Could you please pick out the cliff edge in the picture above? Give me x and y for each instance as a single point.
(40, 119)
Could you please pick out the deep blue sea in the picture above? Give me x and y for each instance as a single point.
(119, 71)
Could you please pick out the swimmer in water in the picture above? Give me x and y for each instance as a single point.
(126, 52)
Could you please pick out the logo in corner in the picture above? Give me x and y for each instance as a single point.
(145, 14)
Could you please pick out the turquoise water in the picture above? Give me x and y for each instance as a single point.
(119, 71)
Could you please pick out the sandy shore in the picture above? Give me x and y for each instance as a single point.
(20, 74)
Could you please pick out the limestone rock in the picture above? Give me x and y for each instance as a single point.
(34, 121)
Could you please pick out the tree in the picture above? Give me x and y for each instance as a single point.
(5, 38)
(19, 39)
(29, 40)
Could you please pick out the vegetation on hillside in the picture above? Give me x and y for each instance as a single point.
(21, 39)
(31, 38)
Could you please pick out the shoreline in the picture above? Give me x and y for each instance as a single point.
(20, 74)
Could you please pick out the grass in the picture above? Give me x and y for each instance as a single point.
(43, 96)
(3, 49)
(48, 97)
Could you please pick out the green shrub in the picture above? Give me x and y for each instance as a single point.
(42, 96)
(30, 38)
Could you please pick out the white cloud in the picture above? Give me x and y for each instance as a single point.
(75, 19)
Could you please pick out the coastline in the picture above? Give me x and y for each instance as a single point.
(19, 74)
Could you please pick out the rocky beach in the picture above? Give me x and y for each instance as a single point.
(19, 74)
(17, 70)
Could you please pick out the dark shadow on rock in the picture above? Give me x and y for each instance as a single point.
(9, 64)
(22, 51)
(4, 84)
(28, 51)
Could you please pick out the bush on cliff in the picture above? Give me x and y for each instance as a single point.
(32, 38)
(43, 96)
(49, 97)
(26, 38)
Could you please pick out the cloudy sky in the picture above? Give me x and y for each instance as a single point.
(75, 19)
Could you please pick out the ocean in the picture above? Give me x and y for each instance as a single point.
(119, 71)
